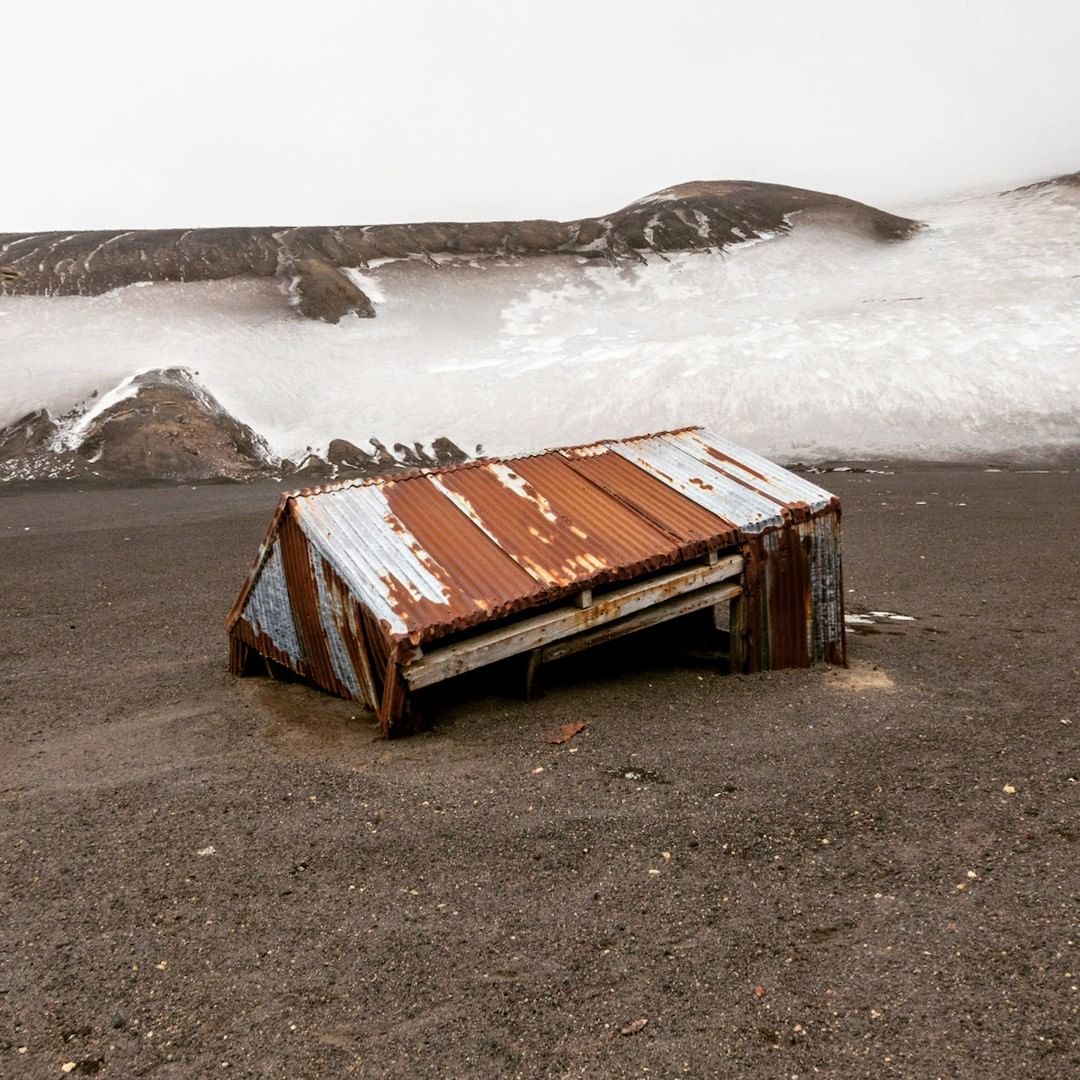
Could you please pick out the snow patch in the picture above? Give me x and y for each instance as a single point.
(72, 433)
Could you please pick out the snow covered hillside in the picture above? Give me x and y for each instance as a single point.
(960, 342)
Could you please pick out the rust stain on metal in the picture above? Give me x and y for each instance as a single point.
(555, 525)
(721, 456)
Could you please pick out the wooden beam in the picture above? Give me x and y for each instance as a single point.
(531, 668)
(583, 599)
(539, 630)
(739, 636)
(670, 609)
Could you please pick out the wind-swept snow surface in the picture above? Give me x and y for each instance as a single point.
(962, 341)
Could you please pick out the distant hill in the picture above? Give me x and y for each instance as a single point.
(311, 262)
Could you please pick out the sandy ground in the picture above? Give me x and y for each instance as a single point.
(864, 873)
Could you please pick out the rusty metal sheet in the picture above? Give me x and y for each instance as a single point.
(389, 570)
(558, 527)
(353, 578)
(695, 527)
(481, 579)
(334, 619)
(300, 576)
(828, 642)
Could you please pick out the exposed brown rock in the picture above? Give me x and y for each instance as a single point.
(414, 455)
(345, 455)
(314, 467)
(1066, 180)
(163, 425)
(29, 434)
(172, 428)
(321, 291)
(448, 453)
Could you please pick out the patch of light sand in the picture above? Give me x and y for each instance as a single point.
(859, 676)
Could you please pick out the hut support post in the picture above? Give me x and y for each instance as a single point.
(532, 666)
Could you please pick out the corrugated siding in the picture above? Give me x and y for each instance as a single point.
(268, 609)
(826, 589)
(476, 566)
(559, 528)
(333, 619)
(387, 568)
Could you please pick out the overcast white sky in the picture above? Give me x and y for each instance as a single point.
(120, 114)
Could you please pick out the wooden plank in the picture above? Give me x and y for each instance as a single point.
(583, 599)
(671, 609)
(539, 630)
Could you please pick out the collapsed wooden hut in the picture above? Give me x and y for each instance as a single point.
(375, 588)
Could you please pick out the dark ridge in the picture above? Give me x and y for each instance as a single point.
(1065, 180)
(309, 261)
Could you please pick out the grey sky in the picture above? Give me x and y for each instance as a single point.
(119, 114)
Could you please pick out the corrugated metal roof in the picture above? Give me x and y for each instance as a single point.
(442, 549)
(691, 524)
(553, 523)
(672, 460)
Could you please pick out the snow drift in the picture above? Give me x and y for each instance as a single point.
(963, 341)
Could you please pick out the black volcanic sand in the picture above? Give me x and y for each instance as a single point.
(864, 873)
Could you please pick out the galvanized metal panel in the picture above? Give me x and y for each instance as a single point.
(366, 533)
(308, 613)
(827, 642)
(334, 623)
(268, 610)
(371, 549)
(669, 460)
(752, 469)
(475, 566)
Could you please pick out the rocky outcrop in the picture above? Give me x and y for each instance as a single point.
(31, 434)
(1066, 180)
(163, 425)
(344, 460)
(159, 425)
(344, 456)
(170, 427)
(321, 291)
(699, 216)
